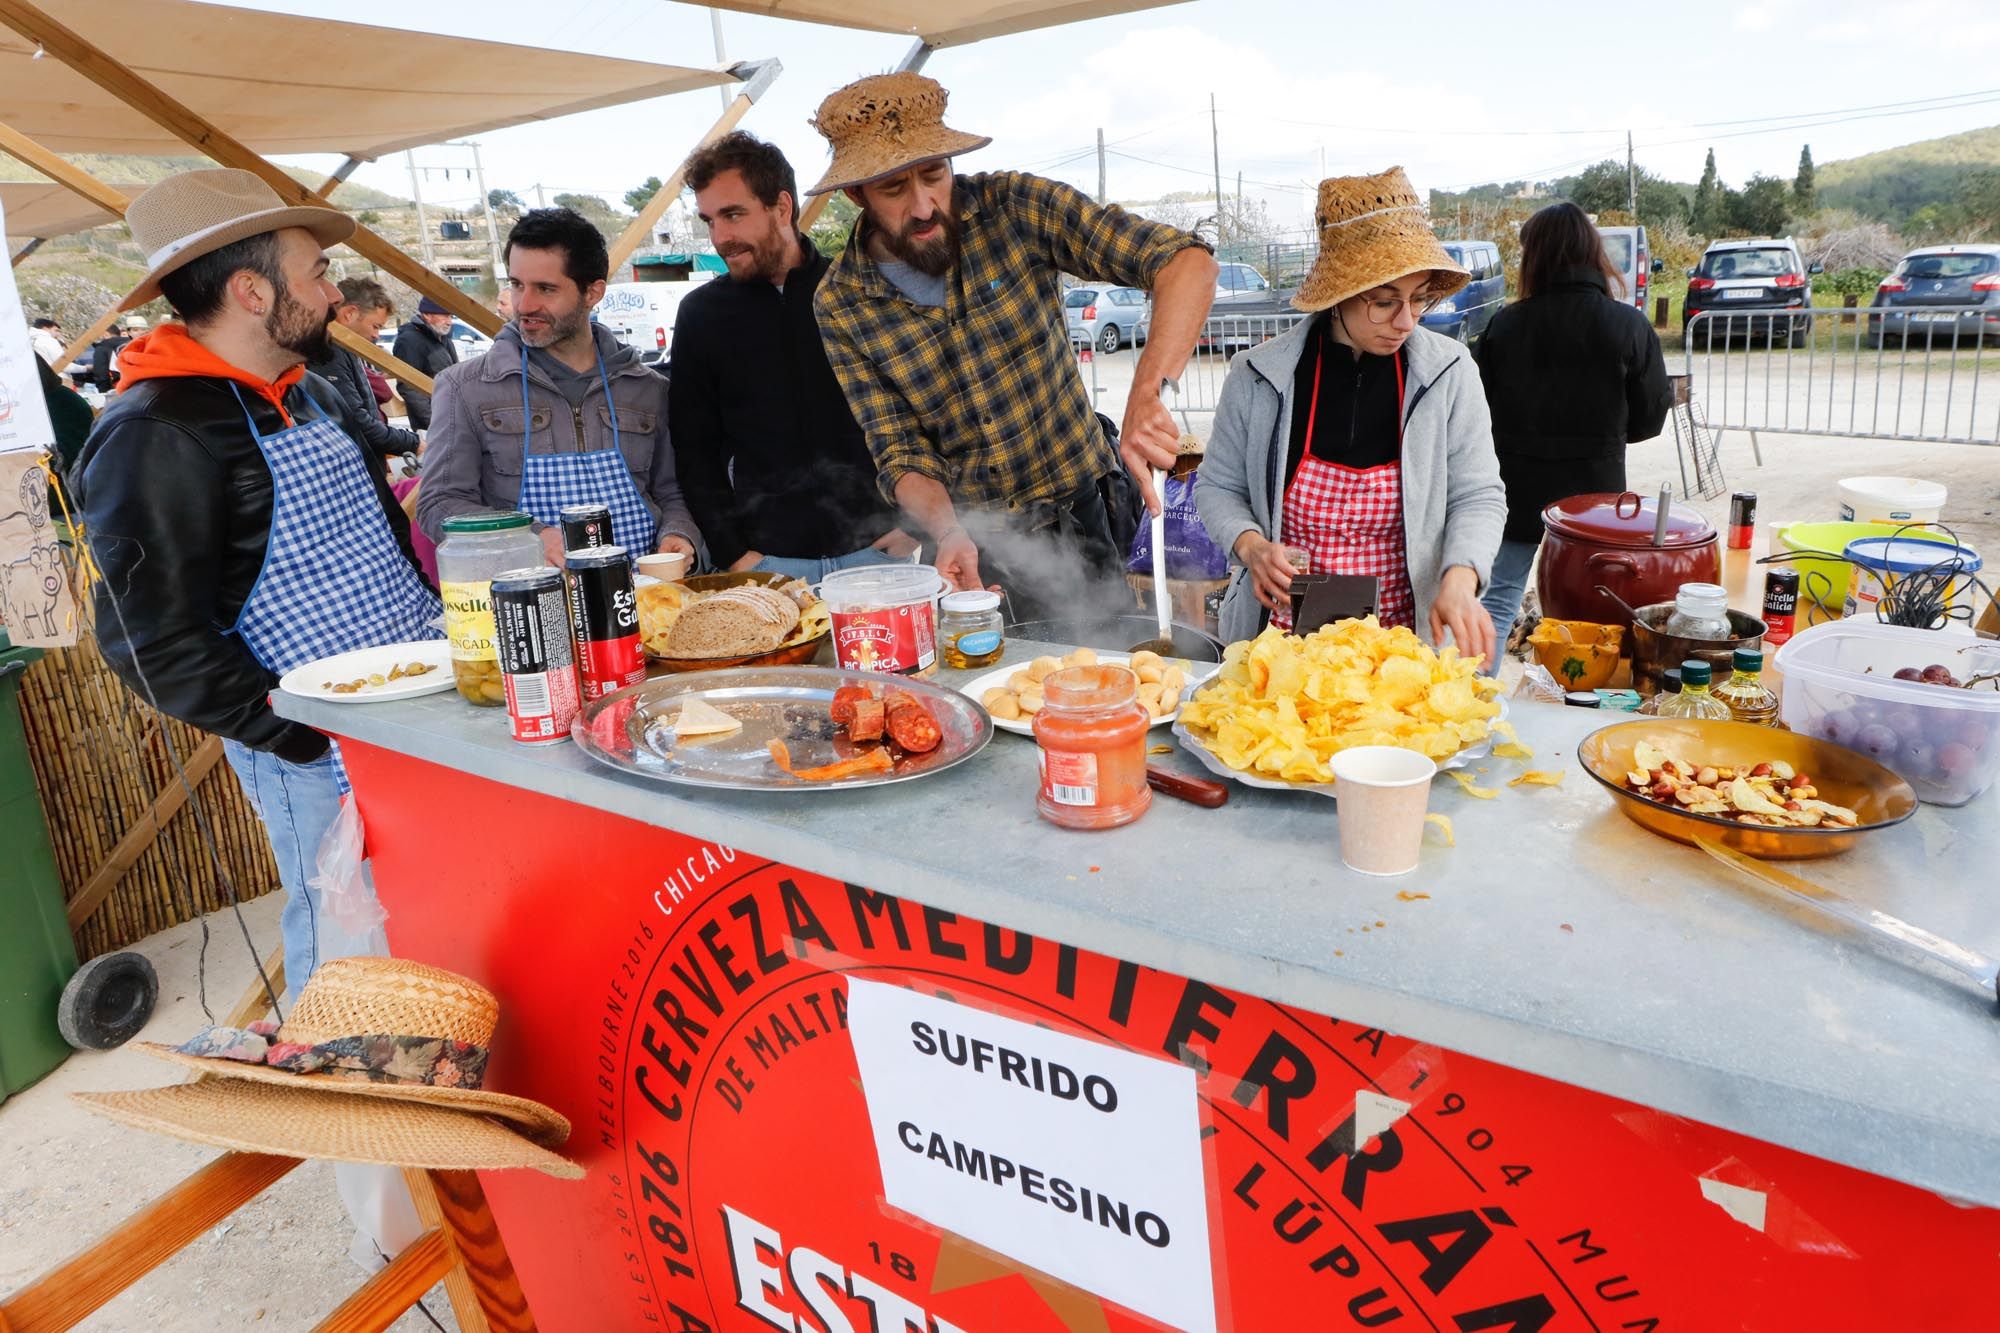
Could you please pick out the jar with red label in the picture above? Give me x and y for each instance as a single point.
(1092, 732)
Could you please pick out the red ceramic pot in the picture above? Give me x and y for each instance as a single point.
(1608, 539)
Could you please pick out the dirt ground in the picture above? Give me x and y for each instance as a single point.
(66, 1176)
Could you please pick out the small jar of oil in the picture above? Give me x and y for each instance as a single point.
(972, 629)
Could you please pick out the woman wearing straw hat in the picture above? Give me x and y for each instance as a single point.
(1359, 437)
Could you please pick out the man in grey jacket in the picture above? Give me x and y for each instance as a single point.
(559, 412)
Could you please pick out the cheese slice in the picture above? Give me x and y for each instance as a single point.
(703, 719)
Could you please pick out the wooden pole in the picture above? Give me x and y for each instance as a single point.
(386, 362)
(381, 1300)
(144, 831)
(88, 336)
(61, 172)
(64, 1296)
(34, 244)
(758, 76)
(76, 51)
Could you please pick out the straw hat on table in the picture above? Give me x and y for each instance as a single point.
(196, 213)
(884, 124)
(1372, 231)
(385, 1057)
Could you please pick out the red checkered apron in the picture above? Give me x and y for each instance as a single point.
(1351, 520)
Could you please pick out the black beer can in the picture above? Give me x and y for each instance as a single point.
(604, 621)
(1742, 520)
(537, 659)
(1781, 604)
(585, 527)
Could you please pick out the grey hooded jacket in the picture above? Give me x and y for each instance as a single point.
(472, 456)
(1453, 503)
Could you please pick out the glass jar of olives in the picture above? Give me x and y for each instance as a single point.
(475, 548)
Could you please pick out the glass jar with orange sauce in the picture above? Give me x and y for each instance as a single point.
(1092, 734)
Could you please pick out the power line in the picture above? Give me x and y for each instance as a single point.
(1209, 175)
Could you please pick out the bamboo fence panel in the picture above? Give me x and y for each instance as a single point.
(101, 759)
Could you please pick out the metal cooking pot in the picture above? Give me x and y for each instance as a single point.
(1653, 652)
(1117, 634)
(1608, 539)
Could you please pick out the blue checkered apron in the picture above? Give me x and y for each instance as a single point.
(598, 476)
(333, 578)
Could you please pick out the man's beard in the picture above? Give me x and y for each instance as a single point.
(935, 257)
(767, 255)
(293, 326)
(555, 331)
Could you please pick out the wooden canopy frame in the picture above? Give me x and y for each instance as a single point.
(91, 61)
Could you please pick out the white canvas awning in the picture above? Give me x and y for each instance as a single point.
(43, 210)
(283, 85)
(941, 22)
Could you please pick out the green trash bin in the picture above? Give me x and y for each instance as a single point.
(37, 955)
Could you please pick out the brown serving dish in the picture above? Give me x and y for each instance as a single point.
(1843, 776)
(799, 650)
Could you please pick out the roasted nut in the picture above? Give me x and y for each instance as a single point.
(1707, 777)
(1761, 771)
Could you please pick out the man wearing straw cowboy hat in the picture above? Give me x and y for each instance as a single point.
(1359, 436)
(942, 319)
(240, 528)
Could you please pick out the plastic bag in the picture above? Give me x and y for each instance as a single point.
(1537, 684)
(1190, 553)
(350, 916)
(349, 923)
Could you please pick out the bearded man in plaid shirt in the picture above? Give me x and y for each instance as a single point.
(943, 321)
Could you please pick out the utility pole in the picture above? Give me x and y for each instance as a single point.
(1100, 165)
(486, 202)
(540, 201)
(1215, 146)
(423, 226)
(1631, 180)
(715, 26)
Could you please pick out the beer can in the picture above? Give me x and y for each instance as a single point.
(1781, 604)
(604, 621)
(1742, 520)
(586, 527)
(537, 660)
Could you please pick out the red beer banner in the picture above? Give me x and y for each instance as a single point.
(686, 1005)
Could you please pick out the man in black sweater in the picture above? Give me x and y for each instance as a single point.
(424, 343)
(770, 459)
(364, 307)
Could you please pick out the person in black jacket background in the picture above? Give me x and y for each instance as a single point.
(364, 307)
(1572, 375)
(774, 468)
(424, 343)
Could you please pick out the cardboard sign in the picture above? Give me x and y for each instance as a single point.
(24, 416)
(36, 606)
(1075, 1157)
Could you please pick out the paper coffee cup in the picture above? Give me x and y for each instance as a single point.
(1383, 792)
(671, 566)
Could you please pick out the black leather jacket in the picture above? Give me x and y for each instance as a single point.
(176, 499)
(421, 347)
(344, 370)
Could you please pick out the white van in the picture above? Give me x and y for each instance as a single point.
(641, 314)
(1633, 259)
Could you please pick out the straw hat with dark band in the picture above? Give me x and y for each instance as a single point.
(1372, 231)
(417, 1020)
(884, 124)
(196, 213)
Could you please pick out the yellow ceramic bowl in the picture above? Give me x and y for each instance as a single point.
(1843, 776)
(1580, 654)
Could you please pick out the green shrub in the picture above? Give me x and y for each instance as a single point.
(1857, 282)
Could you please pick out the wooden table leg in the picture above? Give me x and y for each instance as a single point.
(382, 1299)
(67, 1294)
(481, 1252)
(458, 1282)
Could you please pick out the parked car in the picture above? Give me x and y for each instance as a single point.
(1107, 318)
(1940, 276)
(468, 341)
(1466, 314)
(1240, 284)
(641, 314)
(1633, 258)
(1754, 283)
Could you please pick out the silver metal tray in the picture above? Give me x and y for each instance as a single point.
(633, 730)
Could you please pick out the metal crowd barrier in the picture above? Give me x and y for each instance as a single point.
(1223, 336)
(1873, 372)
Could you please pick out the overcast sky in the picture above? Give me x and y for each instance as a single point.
(1456, 93)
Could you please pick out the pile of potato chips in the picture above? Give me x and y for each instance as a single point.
(1282, 706)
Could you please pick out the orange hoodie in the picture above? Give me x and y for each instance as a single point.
(168, 352)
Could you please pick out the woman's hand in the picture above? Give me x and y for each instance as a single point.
(1270, 572)
(1457, 609)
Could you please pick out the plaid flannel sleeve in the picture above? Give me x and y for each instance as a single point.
(1096, 243)
(887, 420)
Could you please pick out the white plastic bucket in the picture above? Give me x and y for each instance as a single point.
(1879, 562)
(1890, 500)
(884, 618)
